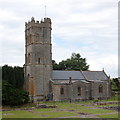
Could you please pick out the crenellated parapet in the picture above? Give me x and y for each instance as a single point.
(43, 23)
(38, 32)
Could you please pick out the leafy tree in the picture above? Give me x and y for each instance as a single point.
(19, 77)
(116, 81)
(12, 86)
(14, 75)
(76, 62)
(12, 95)
(8, 74)
(55, 65)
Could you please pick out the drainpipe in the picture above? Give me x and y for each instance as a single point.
(71, 91)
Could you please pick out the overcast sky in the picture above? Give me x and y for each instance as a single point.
(88, 27)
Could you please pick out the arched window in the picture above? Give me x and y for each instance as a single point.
(79, 91)
(61, 91)
(100, 88)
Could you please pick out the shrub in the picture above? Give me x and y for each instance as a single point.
(12, 95)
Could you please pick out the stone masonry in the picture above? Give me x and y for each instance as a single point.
(38, 58)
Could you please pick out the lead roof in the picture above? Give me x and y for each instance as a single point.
(95, 75)
(65, 75)
(79, 75)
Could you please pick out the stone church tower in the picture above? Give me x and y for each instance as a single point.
(38, 58)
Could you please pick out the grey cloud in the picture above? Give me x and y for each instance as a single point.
(88, 26)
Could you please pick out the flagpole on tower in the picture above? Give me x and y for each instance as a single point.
(45, 11)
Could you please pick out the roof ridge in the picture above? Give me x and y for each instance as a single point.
(83, 75)
(106, 74)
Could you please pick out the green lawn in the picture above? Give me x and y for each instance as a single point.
(95, 111)
(61, 111)
(19, 114)
(108, 116)
(108, 105)
(59, 114)
(64, 109)
(27, 114)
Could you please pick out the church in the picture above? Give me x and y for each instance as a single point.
(44, 83)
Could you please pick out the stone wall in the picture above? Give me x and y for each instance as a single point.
(96, 94)
(88, 90)
(71, 91)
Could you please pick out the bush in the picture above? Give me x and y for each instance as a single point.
(116, 89)
(12, 95)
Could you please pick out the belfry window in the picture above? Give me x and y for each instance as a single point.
(61, 91)
(100, 88)
(38, 60)
(29, 58)
(79, 91)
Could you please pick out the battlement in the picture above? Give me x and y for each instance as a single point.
(43, 23)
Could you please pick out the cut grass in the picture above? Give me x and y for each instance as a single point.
(19, 114)
(114, 98)
(108, 105)
(71, 106)
(64, 109)
(65, 105)
(52, 113)
(59, 114)
(95, 111)
(0, 115)
(108, 116)
(44, 110)
(26, 114)
(77, 119)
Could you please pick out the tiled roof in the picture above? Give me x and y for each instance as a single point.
(95, 75)
(65, 75)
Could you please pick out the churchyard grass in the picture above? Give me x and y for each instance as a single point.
(107, 105)
(63, 110)
(95, 111)
(34, 114)
(19, 114)
(108, 116)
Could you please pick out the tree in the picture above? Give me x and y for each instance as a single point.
(14, 75)
(12, 95)
(116, 81)
(76, 62)
(55, 65)
(19, 76)
(12, 86)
